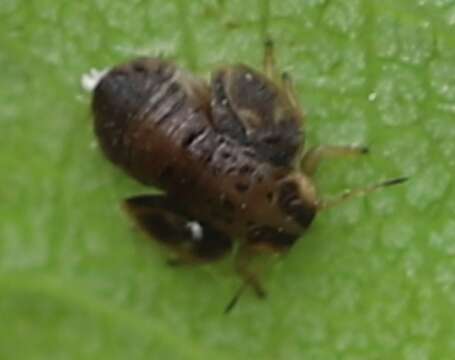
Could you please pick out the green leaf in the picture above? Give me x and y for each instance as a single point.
(372, 279)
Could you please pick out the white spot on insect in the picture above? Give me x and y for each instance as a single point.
(196, 229)
(248, 77)
(243, 206)
(90, 80)
(224, 102)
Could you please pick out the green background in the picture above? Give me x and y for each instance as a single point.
(372, 279)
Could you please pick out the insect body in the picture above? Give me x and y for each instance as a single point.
(228, 156)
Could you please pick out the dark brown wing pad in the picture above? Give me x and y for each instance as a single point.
(161, 218)
(250, 108)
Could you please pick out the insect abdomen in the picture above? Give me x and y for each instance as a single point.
(146, 113)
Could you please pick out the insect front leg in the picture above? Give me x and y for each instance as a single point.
(243, 267)
(191, 241)
(250, 277)
(313, 157)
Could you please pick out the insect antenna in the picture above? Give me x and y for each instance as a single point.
(349, 194)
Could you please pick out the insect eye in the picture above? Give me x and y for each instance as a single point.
(293, 203)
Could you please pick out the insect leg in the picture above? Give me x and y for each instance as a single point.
(249, 276)
(349, 194)
(313, 157)
(231, 304)
(269, 60)
(288, 87)
(192, 242)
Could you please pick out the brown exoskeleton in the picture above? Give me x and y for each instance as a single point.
(228, 156)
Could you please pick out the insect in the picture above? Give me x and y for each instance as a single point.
(228, 154)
